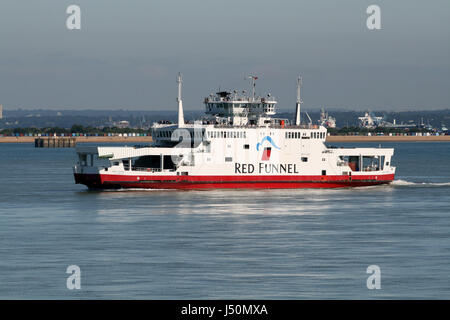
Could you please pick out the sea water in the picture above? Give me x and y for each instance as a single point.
(224, 244)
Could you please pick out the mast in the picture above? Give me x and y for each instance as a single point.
(253, 86)
(299, 102)
(180, 103)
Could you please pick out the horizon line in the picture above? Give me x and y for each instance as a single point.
(280, 109)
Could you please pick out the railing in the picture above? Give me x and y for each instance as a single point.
(274, 126)
(146, 169)
(151, 169)
(240, 99)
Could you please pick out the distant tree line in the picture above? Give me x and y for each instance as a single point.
(74, 129)
(115, 130)
(378, 130)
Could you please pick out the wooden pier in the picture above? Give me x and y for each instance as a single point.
(55, 142)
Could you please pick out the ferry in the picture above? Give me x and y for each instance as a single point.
(237, 144)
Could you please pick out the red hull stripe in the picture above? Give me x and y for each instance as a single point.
(192, 182)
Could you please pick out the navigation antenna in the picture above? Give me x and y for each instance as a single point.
(180, 103)
(299, 102)
(254, 78)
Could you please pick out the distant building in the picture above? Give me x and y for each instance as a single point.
(122, 124)
(1, 112)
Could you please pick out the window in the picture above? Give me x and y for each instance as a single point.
(228, 159)
(304, 159)
(246, 146)
(324, 172)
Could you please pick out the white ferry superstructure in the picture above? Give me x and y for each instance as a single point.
(238, 144)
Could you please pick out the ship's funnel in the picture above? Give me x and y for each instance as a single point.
(299, 102)
(180, 103)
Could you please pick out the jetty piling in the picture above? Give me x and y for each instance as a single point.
(55, 142)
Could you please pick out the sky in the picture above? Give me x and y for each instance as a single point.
(128, 53)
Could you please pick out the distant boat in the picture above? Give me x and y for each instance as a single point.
(369, 120)
(326, 120)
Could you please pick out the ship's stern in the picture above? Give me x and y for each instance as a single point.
(84, 171)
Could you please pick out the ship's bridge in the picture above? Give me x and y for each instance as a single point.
(239, 109)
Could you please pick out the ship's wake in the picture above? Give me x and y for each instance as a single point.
(404, 183)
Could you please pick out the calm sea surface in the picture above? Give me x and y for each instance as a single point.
(219, 244)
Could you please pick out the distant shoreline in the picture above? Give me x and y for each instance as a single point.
(387, 138)
(114, 139)
(117, 139)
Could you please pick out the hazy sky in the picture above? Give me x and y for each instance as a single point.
(128, 53)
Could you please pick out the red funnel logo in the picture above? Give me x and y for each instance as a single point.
(266, 154)
(267, 150)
